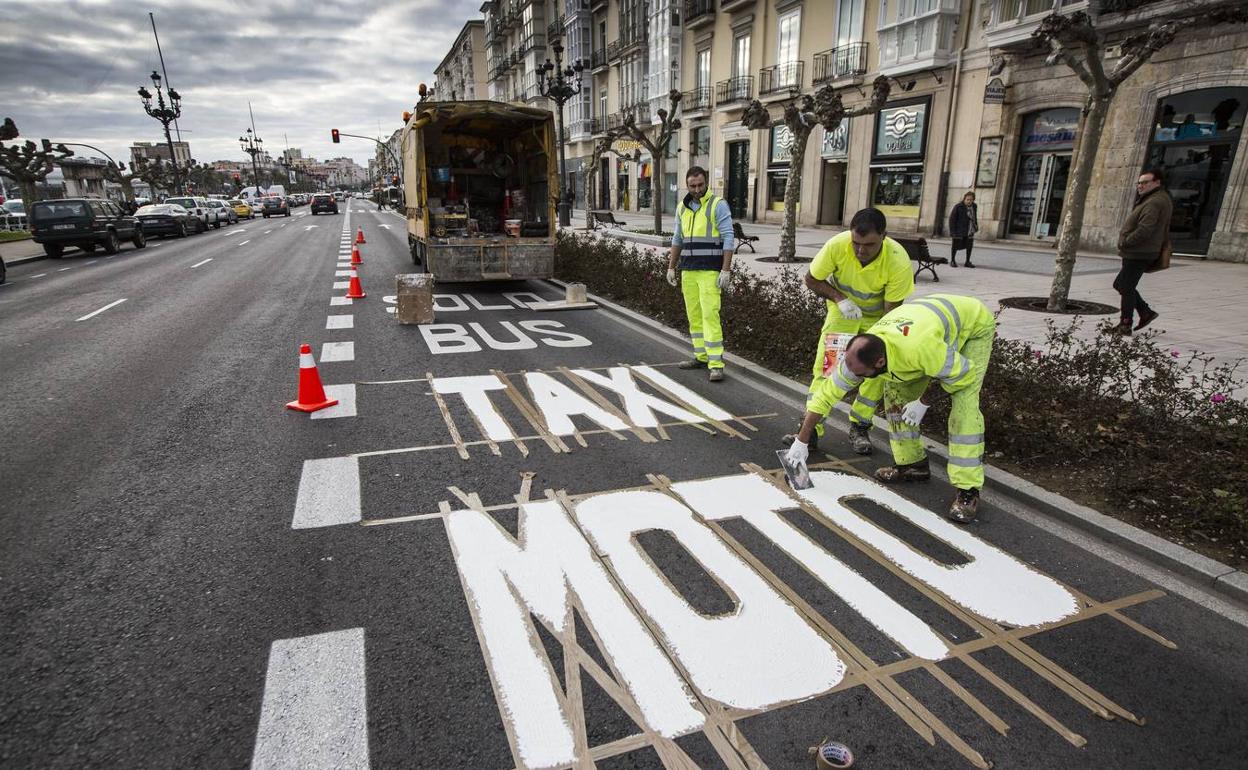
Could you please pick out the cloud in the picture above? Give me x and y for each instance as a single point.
(70, 71)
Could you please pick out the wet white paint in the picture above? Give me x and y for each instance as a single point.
(473, 390)
(640, 407)
(553, 338)
(505, 580)
(519, 340)
(559, 403)
(685, 394)
(993, 584)
(758, 502)
(447, 338)
(756, 656)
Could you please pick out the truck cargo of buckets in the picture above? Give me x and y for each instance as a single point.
(480, 183)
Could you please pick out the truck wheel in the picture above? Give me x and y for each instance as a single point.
(110, 243)
(53, 250)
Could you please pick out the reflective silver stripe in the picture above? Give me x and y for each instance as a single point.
(943, 321)
(902, 435)
(851, 290)
(715, 356)
(970, 439)
(948, 367)
(965, 462)
(840, 382)
(695, 335)
(955, 378)
(864, 400)
(866, 309)
(953, 313)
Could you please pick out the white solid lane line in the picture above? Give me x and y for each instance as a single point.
(101, 310)
(206, 261)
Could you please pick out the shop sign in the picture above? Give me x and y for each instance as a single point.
(1050, 130)
(989, 161)
(900, 131)
(994, 92)
(781, 145)
(836, 143)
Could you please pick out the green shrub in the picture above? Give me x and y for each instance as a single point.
(1148, 434)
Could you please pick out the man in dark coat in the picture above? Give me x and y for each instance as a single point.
(963, 224)
(1144, 234)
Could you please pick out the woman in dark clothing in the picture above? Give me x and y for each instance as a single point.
(963, 224)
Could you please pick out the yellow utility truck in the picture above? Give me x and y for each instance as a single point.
(480, 181)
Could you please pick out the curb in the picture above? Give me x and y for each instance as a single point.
(1209, 573)
(23, 260)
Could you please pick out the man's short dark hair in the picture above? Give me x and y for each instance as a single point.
(1157, 174)
(695, 171)
(869, 221)
(872, 349)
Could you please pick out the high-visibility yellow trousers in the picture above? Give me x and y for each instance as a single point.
(867, 399)
(966, 421)
(701, 290)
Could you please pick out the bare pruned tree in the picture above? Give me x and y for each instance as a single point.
(603, 145)
(655, 139)
(801, 115)
(1075, 41)
(28, 163)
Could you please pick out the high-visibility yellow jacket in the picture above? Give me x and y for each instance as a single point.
(701, 242)
(922, 339)
(885, 278)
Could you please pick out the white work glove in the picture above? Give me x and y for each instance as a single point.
(913, 413)
(849, 311)
(798, 452)
(724, 275)
(671, 276)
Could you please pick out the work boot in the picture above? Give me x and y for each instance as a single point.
(860, 438)
(1123, 327)
(692, 363)
(717, 375)
(1146, 318)
(900, 473)
(965, 506)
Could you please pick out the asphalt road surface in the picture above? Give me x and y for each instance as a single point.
(522, 539)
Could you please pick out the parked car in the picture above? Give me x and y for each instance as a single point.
(241, 209)
(198, 207)
(166, 219)
(224, 211)
(85, 223)
(12, 215)
(275, 205)
(323, 202)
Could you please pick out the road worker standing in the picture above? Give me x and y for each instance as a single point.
(940, 339)
(702, 242)
(862, 274)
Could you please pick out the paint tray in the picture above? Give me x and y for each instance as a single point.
(798, 476)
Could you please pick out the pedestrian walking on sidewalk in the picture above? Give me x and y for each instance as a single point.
(702, 245)
(1144, 236)
(861, 274)
(940, 340)
(963, 224)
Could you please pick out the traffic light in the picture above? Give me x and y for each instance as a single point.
(333, 132)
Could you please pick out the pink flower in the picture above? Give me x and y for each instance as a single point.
(1218, 398)
(1037, 354)
(1174, 352)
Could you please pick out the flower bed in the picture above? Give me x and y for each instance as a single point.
(1143, 433)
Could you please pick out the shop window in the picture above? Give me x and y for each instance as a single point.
(897, 192)
(776, 182)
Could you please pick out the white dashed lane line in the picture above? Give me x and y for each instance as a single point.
(63, 269)
(244, 243)
(337, 351)
(343, 321)
(33, 277)
(94, 313)
(197, 264)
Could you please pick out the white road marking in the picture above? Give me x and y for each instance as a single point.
(33, 277)
(345, 406)
(342, 273)
(266, 232)
(314, 714)
(204, 262)
(339, 300)
(63, 269)
(309, 227)
(344, 321)
(346, 264)
(244, 243)
(101, 310)
(385, 226)
(337, 351)
(284, 224)
(342, 284)
(89, 262)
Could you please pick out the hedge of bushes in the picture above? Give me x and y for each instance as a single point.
(1145, 433)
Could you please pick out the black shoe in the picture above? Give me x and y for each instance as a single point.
(965, 506)
(692, 363)
(952, 263)
(968, 263)
(1146, 319)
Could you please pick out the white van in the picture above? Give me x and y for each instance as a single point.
(253, 195)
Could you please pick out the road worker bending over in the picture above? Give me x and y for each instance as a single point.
(703, 242)
(862, 274)
(940, 339)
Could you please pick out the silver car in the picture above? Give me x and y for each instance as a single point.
(224, 212)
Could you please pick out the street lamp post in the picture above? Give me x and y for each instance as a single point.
(253, 146)
(166, 114)
(559, 84)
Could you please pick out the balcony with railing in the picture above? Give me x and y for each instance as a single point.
(781, 78)
(734, 90)
(597, 126)
(696, 100)
(598, 60)
(918, 41)
(847, 61)
(531, 42)
(698, 13)
(631, 37)
(581, 129)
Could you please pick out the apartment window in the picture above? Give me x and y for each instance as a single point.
(602, 103)
(788, 27)
(741, 56)
(602, 36)
(849, 21)
(703, 74)
(700, 142)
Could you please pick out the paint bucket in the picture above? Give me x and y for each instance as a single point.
(512, 227)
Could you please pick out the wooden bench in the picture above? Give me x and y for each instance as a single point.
(743, 240)
(604, 218)
(919, 254)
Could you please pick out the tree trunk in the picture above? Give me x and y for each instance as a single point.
(30, 194)
(656, 191)
(588, 176)
(1076, 198)
(793, 194)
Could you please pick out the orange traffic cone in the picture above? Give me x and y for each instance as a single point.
(354, 290)
(311, 393)
(359, 235)
(355, 256)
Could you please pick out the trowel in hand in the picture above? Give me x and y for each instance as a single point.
(797, 474)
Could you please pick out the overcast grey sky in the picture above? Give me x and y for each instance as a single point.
(70, 70)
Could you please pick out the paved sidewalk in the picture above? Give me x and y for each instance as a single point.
(1199, 301)
(18, 252)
